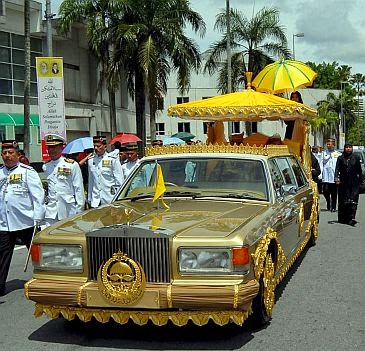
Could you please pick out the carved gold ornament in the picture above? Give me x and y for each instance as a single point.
(300, 219)
(269, 285)
(121, 280)
(128, 213)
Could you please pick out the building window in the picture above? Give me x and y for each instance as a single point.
(182, 99)
(12, 68)
(160, 129)
(205, 127)
(236, 128)
(183, 127)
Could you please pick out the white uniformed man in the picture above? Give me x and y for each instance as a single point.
(132, 159)
(105, 174)
(66, 195)
(21, 205)
(329, 187)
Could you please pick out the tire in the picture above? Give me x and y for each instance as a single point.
(261, 311)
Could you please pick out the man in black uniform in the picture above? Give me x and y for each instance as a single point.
(348, 178)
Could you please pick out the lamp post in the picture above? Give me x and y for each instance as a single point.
(298, 35)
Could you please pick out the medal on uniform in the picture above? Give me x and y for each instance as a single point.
(15, 178)
(106, 163)
(64, 171)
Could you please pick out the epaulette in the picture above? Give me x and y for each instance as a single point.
(113, 154)
(69, 160)
(1, 166)
(25, 166)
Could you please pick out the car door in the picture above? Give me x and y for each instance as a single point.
(294, 210)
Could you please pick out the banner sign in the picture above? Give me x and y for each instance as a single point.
(51, 101)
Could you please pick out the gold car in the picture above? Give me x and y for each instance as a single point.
(231, 222)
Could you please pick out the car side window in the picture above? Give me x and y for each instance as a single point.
(277, 180)
(298, 172)
(286, 171)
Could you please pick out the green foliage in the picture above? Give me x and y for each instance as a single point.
(255, 42)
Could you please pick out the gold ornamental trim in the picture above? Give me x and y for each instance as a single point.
(26, 287)
(79, 292)
(235, 297)
(266, 150)
(169, 296)
(121, 280)
(300, 219)
(159, 318)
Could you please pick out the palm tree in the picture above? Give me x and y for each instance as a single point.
(96, 15)
(260, 39)
(149, 43)
(358, 81)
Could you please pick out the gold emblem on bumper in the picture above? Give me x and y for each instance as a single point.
(121, 280)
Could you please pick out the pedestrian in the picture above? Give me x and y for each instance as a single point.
(132, 161)
(316, 152)
(348, 178)
(329, 188)
(105, 174)
(22, 158)
(65, 184)
(122, 151)
(316, 169)
(21, 205)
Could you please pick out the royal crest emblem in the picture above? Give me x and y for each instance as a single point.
(121, 280)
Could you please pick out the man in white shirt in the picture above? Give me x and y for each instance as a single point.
(21, 205)
(329, 187)
(132, 159)
(66, 195)
(105, 174)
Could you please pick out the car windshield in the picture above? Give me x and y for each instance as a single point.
(199, 178)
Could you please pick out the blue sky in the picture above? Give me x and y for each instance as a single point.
(334, 30)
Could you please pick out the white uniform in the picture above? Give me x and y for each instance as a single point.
(66, 195)
(128, 167)
(329, 160)
(21, 198)
(105, 177)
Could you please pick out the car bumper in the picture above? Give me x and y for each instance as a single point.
(159, 303)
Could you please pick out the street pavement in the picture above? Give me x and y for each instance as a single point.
(320, 306)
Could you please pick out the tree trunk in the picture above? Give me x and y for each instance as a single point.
(140, 106)
(112, 113)
(26, 76)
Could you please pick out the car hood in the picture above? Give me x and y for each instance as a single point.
(184, 218)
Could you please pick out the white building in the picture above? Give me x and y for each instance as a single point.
(87, 110)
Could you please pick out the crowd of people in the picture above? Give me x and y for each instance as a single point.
(24, 203)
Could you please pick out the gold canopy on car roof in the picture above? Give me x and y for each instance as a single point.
(246, 105)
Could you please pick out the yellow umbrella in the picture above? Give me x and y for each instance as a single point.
(284, 75)
(247, 105)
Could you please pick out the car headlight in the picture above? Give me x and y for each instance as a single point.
(214, 260)
(57, 257)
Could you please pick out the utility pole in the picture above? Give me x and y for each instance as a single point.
(229, 64)
(26, 103)
(48, 16)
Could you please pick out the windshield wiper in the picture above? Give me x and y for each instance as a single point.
(233, 195)
(182, 193)
(139, 197)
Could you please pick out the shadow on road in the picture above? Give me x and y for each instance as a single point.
(148, 337)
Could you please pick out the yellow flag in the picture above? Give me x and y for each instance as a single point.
(159, 186)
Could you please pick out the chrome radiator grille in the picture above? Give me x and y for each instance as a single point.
(151, 250)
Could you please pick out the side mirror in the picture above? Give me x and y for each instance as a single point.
(288, 189)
